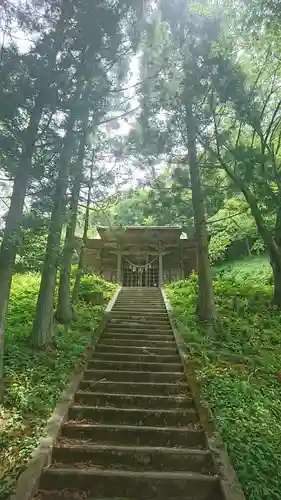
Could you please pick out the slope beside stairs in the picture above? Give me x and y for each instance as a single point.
(133, 432)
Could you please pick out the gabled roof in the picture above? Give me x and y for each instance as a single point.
(140, 233)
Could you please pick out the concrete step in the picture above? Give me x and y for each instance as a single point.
(133, 400)
(132, 431)
(134, 435)
(136, 376)
(147, 344)
(140, 298)
(134, 416)
(134, 366)
(132, 336)
(130, 387)
(141, 310)
(134, 314)
(132, 484)
(137, 350)
(139, 328)
(68, 495)
(121, 356)
(139, 303)
(138, 458)
(139, 322)
(136, 294)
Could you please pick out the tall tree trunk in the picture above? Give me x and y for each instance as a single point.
(76, 287)
(206, 310)
(248, 247)
(64, 309)
(42, 325)
(272, 242)
(275, 260)
(11, 238)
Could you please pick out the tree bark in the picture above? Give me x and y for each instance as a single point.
(271, 241)
(206, 310)
(11, 238)
(64, 308)
(76, 288)
(42, 325)
(248, 247)
(276, 271)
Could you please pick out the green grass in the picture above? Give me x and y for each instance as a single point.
(35, 379)
(251, 269)
(238, 368)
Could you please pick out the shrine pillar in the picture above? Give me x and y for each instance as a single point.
(119, 267)
(161, 276)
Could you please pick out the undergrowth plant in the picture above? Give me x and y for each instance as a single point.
(239, 369)
(35, 379)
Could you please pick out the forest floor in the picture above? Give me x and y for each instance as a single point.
(35, 379)
(239, 368)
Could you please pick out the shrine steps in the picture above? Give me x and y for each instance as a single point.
(133, 432)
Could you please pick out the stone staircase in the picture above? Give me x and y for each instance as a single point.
(133, 431)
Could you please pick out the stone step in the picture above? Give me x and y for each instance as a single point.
(68, 495)
(131, 294)
(135, 301)
(139, 323)
(134, 485)
(181, 437)
(133, 400)
(137, 350)
(138, 331)
(147, 344)
(139, 328)
(153, 358)
(132, 314)
(134, 457)
(134, 366)
(136, 376)
(130, 387)
(139, 306)
(131, 416)
(141, 337)
(129, 302)
(140, 310)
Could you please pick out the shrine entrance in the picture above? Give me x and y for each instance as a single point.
(141, 256)
(138, 274)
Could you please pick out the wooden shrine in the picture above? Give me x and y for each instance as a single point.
(141, 256)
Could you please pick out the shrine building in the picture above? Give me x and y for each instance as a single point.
(141, 256)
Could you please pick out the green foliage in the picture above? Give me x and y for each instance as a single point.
(232, 224)
(35, 379)
(250, 270)
(238, 368)
(90, 283)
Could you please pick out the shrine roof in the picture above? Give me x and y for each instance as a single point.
(133, 233)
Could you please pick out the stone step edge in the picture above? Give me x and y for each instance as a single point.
(133, 372)
(140, 396)
(134, 449)
(135, 428)
(109, 409)
(168, 349)
(150, 384)
(97, 356)
(196, 476)
(150, 363)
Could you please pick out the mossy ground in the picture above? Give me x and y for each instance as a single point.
(238, 367)
(35, 379)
